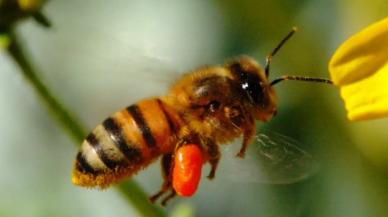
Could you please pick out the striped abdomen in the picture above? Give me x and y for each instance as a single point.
(125, 142)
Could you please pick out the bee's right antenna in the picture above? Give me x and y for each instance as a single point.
(268, 60)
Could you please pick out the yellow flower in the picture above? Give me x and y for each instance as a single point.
(360, 68)
(29, 5)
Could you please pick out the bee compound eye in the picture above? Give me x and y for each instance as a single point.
(253, 88)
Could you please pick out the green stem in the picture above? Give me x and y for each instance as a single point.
(71, 124)
(130, 190)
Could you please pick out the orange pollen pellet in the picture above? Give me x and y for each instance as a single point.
(187, 170)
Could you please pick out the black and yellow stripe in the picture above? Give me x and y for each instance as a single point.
(125, 142)
(171, 125)
(98, 147)
(132, 154)
(82, 165)
(143, 126)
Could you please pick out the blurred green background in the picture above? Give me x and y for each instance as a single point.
(101, 56)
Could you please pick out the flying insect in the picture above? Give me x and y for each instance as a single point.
(204, 108)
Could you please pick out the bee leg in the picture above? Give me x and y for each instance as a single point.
(248, 136)
(166, 164)
(168, 197)
(156, 196)
(214, 157)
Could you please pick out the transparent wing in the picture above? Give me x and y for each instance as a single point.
(271, 158)
(95, 53)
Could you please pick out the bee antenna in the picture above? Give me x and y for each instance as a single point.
(299, 78)
(268, 59)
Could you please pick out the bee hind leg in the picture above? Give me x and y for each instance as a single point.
(156, 196)
(214, 157)
(168, 197)
(166, 164)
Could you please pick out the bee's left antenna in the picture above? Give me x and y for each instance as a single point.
(300, 78)
(268, 60)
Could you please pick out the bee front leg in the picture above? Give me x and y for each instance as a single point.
(249, 133)
(167, 164)
(214, 157)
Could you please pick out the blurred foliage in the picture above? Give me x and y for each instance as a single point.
(98, 60)
(248, 16)
(4, 41)
(12, 11)
(130, 190)
(183, 210)
(29, 5)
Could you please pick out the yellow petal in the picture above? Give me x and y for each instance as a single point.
(367, 98)
(361, 55)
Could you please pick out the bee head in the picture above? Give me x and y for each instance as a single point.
(255, 89)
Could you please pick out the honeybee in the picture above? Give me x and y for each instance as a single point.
(205, 108)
